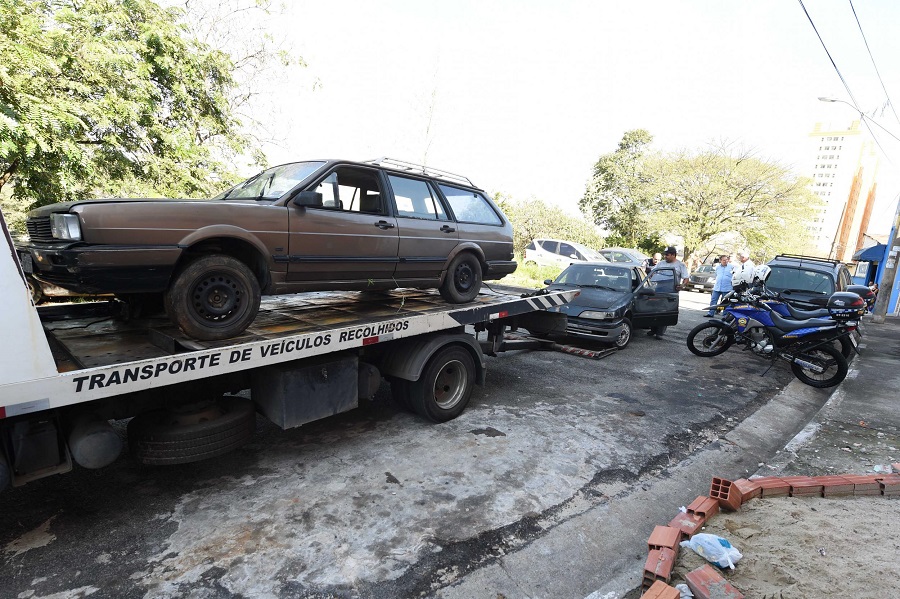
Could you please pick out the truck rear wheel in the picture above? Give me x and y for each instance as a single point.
(444, 389)
(191, 434)
(214, 297)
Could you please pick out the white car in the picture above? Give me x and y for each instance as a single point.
(625, 256)
(556, 252)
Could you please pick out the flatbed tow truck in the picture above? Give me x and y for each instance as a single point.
(67, 370)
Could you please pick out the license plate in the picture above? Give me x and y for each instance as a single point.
(698, 286)
(27, 264)
(854, 340)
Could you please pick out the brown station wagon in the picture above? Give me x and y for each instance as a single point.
(305, 226)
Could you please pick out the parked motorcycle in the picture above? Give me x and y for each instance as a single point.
(754, 323)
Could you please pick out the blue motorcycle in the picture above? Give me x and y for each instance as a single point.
(806, 344)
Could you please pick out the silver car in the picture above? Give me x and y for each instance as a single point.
(559, 253)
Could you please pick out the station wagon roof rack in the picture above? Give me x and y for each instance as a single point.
(402, 165)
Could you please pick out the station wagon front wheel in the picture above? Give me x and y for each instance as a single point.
(213, 297)
(463, 280)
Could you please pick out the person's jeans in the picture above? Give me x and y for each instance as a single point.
(716, 296)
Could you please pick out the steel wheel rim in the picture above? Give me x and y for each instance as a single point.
(217, 297)
(624, 336)
(450, 384)
(464, 277)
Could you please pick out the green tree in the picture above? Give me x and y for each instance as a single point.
(706, 195)
(103, 97)
(535, 219)
(620, 194)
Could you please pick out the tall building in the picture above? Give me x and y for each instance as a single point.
(844, 170)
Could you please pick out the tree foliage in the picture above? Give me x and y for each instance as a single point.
(702, 197)
(715, 192)
(535, 219)
(110, 97)
(619, 196)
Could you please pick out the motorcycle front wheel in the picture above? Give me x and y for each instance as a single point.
(710, 339)
(833, 365)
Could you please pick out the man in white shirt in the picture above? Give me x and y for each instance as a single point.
(745, 263)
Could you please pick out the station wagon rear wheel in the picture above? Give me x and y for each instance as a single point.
(463, 280)
(214, 297)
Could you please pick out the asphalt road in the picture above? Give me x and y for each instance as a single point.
(510, 499)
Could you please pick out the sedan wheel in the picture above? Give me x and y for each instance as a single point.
(625, 336)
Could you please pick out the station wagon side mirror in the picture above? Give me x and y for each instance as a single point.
(548, 281)
(646, 291)
(307, 198)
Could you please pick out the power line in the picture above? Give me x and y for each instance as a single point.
(877, 72)
(862, 117)
(824, 47)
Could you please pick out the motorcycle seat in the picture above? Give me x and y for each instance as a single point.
(789, 324)
(798, 313)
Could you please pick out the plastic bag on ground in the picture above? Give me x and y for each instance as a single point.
(714, 549)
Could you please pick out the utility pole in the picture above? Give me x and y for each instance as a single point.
(886, 287)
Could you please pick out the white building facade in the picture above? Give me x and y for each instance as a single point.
(844, 169)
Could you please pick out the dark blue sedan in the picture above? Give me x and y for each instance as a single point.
(615, 300)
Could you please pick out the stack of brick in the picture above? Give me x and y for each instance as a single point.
(706, 582)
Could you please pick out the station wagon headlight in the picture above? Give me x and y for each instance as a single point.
(65, 226)
(594, 315)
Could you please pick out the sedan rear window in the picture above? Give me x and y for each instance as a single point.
(808, 281)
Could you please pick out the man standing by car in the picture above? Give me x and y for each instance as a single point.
(651, 262)
(682, 277)
(724, 271)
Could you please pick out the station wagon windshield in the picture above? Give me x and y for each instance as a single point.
(272, 183)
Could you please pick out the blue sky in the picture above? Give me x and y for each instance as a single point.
(523, 96)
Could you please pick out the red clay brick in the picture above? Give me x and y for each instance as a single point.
(803, 486)
(724, 491)
(706, 583)
(688, 524)
(704, 506)
(659, 565)
(749, 489)
(664, 536)
(660, 590)
(890, 484)
(772, 486)
(835, 486)
(864, 484)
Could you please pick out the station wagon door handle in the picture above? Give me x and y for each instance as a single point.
(447, 229)
(383, 224)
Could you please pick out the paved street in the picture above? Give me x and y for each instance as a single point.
(542, 488)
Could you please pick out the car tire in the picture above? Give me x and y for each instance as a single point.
(443, 390)
(463, 280)
(35, 289)
(166, 437)
(213, 297)
(625, 336)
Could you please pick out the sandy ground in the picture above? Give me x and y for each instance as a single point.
(796, 548)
